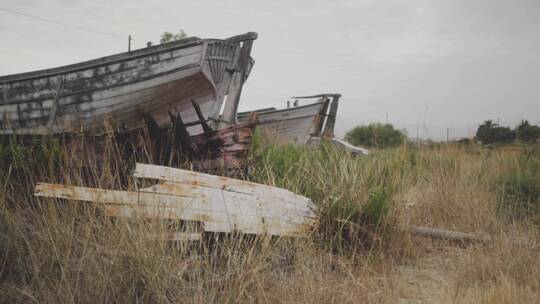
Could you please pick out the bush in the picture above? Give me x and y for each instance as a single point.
(375, 135)
(521, 188)
(527, 132)
(490, 133)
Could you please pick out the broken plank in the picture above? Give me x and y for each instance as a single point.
(223, 183)
(202, 120)
(220, 211)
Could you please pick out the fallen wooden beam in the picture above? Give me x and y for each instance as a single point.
(448, 234)
(457, 235)
(222, 204)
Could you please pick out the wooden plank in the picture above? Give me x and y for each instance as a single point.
(319, 124)
(267, 206)
(331, 119)
(222, 204)
(202, 120)
(227, 214)
(227, 184)
(181, 135)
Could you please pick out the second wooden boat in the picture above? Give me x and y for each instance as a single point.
(297, 124)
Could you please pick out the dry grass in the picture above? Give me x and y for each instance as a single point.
(56, 251)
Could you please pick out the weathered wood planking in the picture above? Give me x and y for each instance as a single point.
(222, 204)
(292, 125)
(124, 88)
(298, 124)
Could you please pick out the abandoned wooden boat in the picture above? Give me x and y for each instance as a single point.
(297, 124)
(309, 124)
(119, 91)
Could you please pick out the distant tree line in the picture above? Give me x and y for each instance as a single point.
(375, 135)
(490, 133)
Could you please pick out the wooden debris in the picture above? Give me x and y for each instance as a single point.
(340, 144)
(448, 234)
(222, 204)
(457, 236)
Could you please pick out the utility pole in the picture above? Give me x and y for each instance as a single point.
(447, 135)
(129, 43)
(417, 134)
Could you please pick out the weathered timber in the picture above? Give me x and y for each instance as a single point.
(200, 116)
(221, 204)
(339, 144)
(121, 89)
(448, 234)
(331, 118)
(291, 125)
(181, 135)
(306, 125)
(458, 236)
(220, 150)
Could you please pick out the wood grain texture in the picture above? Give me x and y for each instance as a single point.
(122, 89)
(298, 124)
(222, 204)
(292, 125)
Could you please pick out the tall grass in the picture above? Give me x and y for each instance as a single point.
(61, 251)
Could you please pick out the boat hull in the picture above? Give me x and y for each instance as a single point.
(116, 93)
(293, 125)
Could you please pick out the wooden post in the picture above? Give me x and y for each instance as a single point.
(331, 120)
(238, 79)
(318, 127)
(182, 135)
(204, 125)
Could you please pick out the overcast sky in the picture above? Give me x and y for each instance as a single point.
(427, 63)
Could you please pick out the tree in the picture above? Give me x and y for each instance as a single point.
(486, 132)
(527, 132)
(489, 133)
(375, 135)
(168, 36)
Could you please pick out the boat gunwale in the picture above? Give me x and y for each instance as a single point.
(119, 57)
(246, 113)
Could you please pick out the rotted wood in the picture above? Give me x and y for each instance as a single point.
(181, 135)
(240, 74)
(225, 148)
(331, 119)
(221, 204)
(200, 115)
(319, 124)
(151, 80)
(54, 109)
(458, 236)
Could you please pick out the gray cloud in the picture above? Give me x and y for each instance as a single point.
(436, 64)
